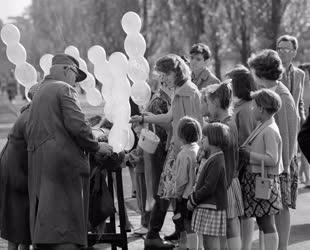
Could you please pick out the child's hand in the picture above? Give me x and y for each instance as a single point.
(190, 206)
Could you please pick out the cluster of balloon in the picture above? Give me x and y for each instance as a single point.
(25, 73)
(93, 95)
(116, 89)
(138, 67)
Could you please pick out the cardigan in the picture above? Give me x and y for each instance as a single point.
(244, 118)
(211, 185)
(186, 165)
(266, 139)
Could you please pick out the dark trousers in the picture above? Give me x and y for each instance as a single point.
(157, 219)
(141, 199)
(57, 247)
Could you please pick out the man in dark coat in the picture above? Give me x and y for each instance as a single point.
(59, 140)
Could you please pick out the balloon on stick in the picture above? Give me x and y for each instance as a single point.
(131, 140)
(26, 74)
(140, 93)
(72, 51)
(118, 63)
(16, 53)
(139, 69)
(46, 63)
(131, 23)
(10, 34)
(135, 45)
(96, 54)
(94, 97)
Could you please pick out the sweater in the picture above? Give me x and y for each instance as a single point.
(186, 165)
(211, 185)
(244, 120)
(287, 121)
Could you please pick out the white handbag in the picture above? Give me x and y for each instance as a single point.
(263, 185)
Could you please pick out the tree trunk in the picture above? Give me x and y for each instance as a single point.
(276, 16)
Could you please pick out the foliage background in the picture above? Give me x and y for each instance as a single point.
(232, 28)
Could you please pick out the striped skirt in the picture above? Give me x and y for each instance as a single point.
(235, 203)
(209, 222)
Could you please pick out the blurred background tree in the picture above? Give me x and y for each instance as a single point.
(232, 28)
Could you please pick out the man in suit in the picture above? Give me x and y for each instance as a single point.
(59, 140)
(293, 79)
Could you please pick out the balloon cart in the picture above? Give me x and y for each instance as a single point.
(112, 168)
(114, 238)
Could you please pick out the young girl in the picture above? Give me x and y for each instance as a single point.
(209, 199)
(217, 100)
(264, 144)
(189, 132)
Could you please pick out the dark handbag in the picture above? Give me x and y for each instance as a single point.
(101, 204)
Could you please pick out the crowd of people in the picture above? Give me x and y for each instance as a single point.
(228, 154)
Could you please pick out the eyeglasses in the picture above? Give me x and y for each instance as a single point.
(74, 70)
(286, 50)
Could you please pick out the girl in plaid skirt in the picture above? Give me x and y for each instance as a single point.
(209, 199)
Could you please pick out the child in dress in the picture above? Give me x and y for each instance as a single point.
(264, 144)
(189, 132)
(209, 199)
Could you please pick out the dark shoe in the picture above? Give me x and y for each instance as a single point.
(174, 236)
(158, 243)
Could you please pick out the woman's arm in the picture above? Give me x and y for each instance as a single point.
(156, 119)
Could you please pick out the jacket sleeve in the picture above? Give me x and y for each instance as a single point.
(304, 138)
(74, 120)
(301, 105)
(210, 180)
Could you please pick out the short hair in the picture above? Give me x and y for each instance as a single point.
(268, 100)
(189, 130)
(305, 67)
(174, 63)
(201, 48)
(267, 64)
(222, 92)
(185, 59)
(242, 82)
(288, 38)
(217, 133)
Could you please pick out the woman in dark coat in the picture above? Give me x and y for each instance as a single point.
(14, 203)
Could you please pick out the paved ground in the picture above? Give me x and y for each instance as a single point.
(300, 234)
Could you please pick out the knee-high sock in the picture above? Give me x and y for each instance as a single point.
(192, 241)
(271, 241)
(261, 240)
(234, 243)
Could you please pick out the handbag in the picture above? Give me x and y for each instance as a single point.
(263, 185)
(101, 204)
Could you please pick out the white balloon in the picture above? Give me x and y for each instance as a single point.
(103, 73)
(89, 83)
(82, 64)
(96, 54)
(131, 23)
(141, 93)
(16, 53)
(139, 69)
(135, 45)
(72, 51)
(131, 140)
(108, 110)
(26, 74)
(121, 112)
(46, 63)
(26, 93)
(10, 34)
(94, 97)
(118, 138)
(118, 63)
